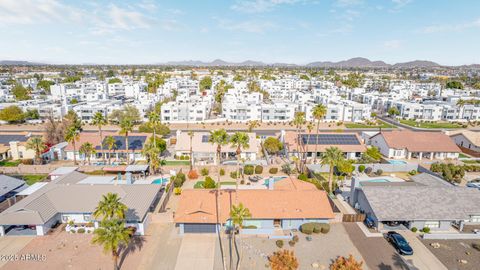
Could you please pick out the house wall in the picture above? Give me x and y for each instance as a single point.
(18, 151)
(43, 229)
(460, 140)
(380, 142)
(288, 224)
(76, 217)
(419, 224)
(362, 203)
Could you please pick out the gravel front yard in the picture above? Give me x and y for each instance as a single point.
(451, 252)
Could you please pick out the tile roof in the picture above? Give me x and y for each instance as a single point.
(417, 141)
(9, 184)
(472, 136)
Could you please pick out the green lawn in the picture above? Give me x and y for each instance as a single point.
(9, 163)
(361, 125)
(31, 179)
(414, 123)
(463, 156)
(471, 161)
(177, 162)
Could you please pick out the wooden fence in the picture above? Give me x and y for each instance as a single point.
(353, 217)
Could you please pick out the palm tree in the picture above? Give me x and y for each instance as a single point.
(309, 128)
(191, 134)
(252, 125)
(99, 120)
(152, 152)
(126, 126)
(72, 136)
(110, 207)
(110, 143)
(88, 150)
(240, 140)
(112, 234)
(36, 144)
(238, 214)
(332, 157)
(299, 121)
(319, 112)
(153, 121)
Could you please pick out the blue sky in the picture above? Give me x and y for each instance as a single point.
(293, 31)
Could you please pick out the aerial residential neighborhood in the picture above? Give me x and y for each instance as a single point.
(239, 135)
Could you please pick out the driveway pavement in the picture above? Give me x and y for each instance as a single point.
(196, 252)
(376, 251)
(11, 245)
(422, 258)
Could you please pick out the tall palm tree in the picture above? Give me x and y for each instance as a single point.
(299, 121)
(110, 143)
(332, 157)
(36, 144)
(319, 112)
(252, 125)
(72, 136)
(153, 121)
(238, 214)
(110, 207)
(112, 234)
(88, 150)
(152, 152)
(191, 134)
(126, 126)
(309, 128)
(240, 140)
(99, 120)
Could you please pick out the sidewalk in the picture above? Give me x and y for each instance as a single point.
(422, 258)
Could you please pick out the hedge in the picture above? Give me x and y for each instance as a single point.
(273, 170)
(248, 169)
(258, 169)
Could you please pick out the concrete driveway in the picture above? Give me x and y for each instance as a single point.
(422, 258)
(196, 252)
(11, 245)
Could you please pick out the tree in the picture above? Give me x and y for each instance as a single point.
(342, 263)
(159, 128)
(87, 150)
(32, 114)
(112, 234)
(304, 77)
(45, 85)
(309, 128)
(72, 120)
(346, 168)
(454, 85)
(128, 112)
(238, 214)
(114, 80)
(239, 140)
(72, 136)
(319, 112)
(252, 125)
(126, 126)
(110, 207)
(393, 111)
(272, 145)
(20, 92)
(36, 144)
(12, 114)
(332, 157)
(99, 120)
(299, 121)
(191, 134)
(374, 153)
(111, 144)
(152, 150)
(205, 83)
(153, 121)
(283, 260)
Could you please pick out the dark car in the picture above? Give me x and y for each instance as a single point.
(369, 222)
(399, 243)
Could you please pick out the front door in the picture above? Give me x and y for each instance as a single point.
(277, 223)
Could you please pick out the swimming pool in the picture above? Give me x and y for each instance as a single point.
(377, 181)
(160, 181)
(275, 179)
(396, 162)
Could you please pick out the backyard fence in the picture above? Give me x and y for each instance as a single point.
(353, 217)
(385, 167)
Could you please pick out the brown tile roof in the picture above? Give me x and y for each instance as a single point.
(415, 141)
(291, 140)
(198, 206)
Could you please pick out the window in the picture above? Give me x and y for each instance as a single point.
(475, 219)
(432, 224)
(64, 218)
(87, 217)
(20, 154)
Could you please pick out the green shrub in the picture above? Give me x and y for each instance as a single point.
(361, 168)
(234, 174)
(81, 230)
(426, 230)
(222, 172)
(307, 228)
(177, 191)
(179, 179)
(209, 183)
(258, 169)
(204, 171)
(248, 169)
(316, 228)
(249, 227)
(414, 229)
(412, 172)
(379, 172)
(279, 243)
(325, 228)
(181, 158)
(303, 177)
(273, 170)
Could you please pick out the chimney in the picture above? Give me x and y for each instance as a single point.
(271, 183)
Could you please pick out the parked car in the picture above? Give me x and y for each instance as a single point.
(399, 243)
(369, 222)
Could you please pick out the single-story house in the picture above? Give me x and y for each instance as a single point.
(117, 154)
(65, 199)
(13, 146)
(60, 171)
(428, 201)
(287, 204)
(404, 144)
(204, 151)
(311, 144)
(10, 186)
(468, 141)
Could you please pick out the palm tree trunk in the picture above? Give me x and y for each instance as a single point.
(316, 143)
(330, 179)
(115, 260)
(191, 154)
(126, 148)
(238, 174)
(219, 151)
(109, 156)
(101, 143)
(74, 153)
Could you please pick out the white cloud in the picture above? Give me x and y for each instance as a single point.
(401, 3)
(250, 26)
(393, 44)
(258, 6)
(348, 3)
(450, 27)
(127, 19)
(35, 11)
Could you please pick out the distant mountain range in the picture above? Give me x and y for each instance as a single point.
(357, 62)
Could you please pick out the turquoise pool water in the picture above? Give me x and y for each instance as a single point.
(275, 179)
(397, 162)
(160, 181)
(377, 181)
